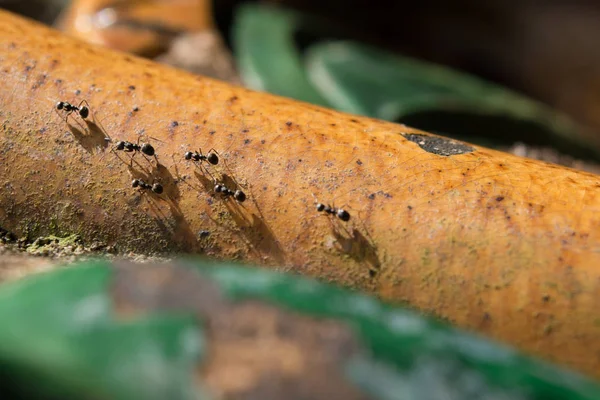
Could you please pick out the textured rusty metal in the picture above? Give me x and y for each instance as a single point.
(501, 244)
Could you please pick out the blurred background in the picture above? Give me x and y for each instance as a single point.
(519, 76)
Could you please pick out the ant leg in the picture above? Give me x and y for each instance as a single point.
(58, 113)
(198, 164)
(104, 153)
(340, 208)
(64, 117)
(153, 138)
(140, 151)
(135, 152)
(179, 178)
(208, 172)
(230, 176)
(131, 159)
(366, 231)
(67, 116)
(149, 161)
(84, 102)
(76, 121)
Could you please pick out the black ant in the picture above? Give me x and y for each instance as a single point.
(129, 147)
(226, 192)
(83, 111)
(338, 212)
(211, 157)
(138, 183)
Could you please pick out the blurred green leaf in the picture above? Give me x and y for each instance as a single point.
(61, 338)
(267, 58)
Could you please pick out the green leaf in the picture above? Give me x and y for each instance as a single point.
(267, 58)
(59, 339)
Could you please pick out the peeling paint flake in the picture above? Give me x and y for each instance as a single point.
(439, 145)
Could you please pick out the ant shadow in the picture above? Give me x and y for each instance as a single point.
(252, 228)
(358, 247)
(175, 225)
(142, 172)
(157, 174)
(257, 234)
(207, 184)
(94, 139)
(95, 136)
(161, 174)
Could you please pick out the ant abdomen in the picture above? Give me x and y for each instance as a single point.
(212, 158)
(84, 112)
(343, 215)
(157, 188)
(147, 149)
(239, 196)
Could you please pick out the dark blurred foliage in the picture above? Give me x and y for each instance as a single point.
(45, 11)
(545, 49)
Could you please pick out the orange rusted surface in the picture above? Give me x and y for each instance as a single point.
(504, 245)
(143, 27)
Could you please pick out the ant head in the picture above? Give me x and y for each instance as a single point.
(343, 215)
(147, 149)
(120, 145)
(239, 196)
(157, 188)
(60, 105)
(320, 207)
(135, 183)
(219, 188)
(212, 158)
(188, 155)
(84, 112)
